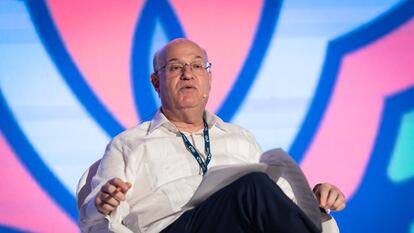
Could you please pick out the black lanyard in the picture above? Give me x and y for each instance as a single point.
(190, 147)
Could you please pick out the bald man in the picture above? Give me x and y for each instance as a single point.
(149, 172)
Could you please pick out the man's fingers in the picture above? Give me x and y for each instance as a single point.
(339, 199)
(322, 193)
(105, 206)
(111, 194)
(332, 197)
(116, 185)
(120, 185)
(108, 188)
(118, 195)
(339, 203)
(110, 200)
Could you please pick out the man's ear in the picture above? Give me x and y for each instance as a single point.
(155, 80)
(210, 77)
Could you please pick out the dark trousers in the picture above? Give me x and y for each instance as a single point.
(252, 203)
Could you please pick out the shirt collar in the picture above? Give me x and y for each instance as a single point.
(159, 120)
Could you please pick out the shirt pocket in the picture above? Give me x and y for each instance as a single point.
(232, 147)
(166, 162)
(180, 191)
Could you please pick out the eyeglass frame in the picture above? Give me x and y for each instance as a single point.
(206, 66)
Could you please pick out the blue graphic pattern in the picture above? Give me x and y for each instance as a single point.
(337, 50)
(381, 205)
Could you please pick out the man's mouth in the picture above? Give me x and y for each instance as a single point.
(188, 88)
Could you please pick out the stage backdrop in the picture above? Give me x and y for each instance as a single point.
(332, 82)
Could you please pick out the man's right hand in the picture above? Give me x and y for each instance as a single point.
(111, 194)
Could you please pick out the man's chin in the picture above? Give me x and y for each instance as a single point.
(187, 104)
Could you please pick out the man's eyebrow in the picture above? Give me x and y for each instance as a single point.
(198, 57)
(176, 59)
(172, 59)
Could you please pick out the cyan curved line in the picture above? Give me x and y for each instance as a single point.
(394, 208)
(261, 42)
(55, 47)
(336, 51)
(28, 156)
(142, 87)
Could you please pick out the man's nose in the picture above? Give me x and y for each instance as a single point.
(187, 72)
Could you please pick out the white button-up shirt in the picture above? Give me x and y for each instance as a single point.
(163, 173)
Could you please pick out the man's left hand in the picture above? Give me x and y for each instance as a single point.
(329, 196)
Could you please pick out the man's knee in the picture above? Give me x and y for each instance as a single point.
(256, 179)
(260, 183)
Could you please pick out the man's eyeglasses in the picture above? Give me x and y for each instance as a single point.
(179, 68)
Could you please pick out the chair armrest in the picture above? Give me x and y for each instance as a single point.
(330, 226)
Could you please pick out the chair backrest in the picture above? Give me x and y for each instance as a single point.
(84, 185)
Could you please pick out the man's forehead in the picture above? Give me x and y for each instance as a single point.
(183, 49)
(180, 49)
